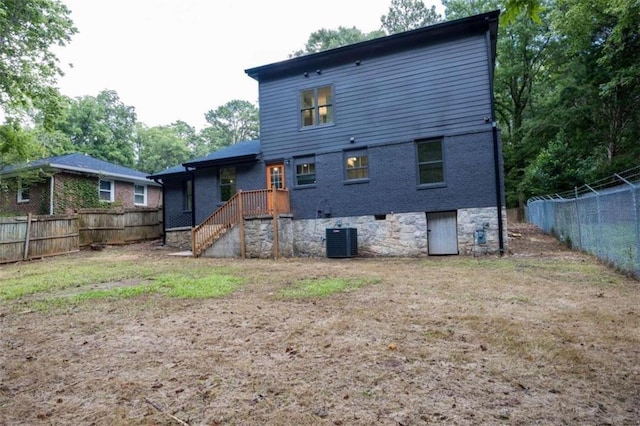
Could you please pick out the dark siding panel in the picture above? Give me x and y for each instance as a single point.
(469, 181)
(207, 190)
(439, 90)
(175, 216)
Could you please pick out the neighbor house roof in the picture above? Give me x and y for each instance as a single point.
(354, 53)
(82, 163)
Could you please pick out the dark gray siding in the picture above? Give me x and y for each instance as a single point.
(175, 215)
(436, 90)
(249, 176)
(393, 181)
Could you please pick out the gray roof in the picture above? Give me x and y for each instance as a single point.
(238, 152)
(82, 163)
(241, 150)
(354, 53)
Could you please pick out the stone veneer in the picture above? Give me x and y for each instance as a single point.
(396, 234)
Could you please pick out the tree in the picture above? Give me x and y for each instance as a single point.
(325, 39)
(160, 147)
(28, 67)
(407, 15)
(231, 123)
(102, 127)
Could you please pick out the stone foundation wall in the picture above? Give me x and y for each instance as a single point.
(179, 238)
(398, 234)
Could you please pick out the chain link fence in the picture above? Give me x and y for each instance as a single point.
(602, 218)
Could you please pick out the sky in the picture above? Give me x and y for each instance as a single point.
(177, 59)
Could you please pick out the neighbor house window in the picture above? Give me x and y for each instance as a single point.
(316, 106)
(356, 165)
(140, 195)
(305, 171)
(227, 183)
(430, 162)
(24, 194)
(106, 190)
(187, 194)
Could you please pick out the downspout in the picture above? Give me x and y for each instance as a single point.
(496, 146)
(51, 186)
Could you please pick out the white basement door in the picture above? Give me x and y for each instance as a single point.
(442, 232)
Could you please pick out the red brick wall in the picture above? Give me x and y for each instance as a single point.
(38, 199)
(64, 184)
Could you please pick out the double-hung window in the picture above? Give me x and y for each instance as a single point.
(106, 190)
(227, 183)
(316, 106)
(430, 162)
(305, 171)
(356, 165)
(140, 195)
(24, 195)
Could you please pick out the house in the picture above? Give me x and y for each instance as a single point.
(394, 137)
(63, 184)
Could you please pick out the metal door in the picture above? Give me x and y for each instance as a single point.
(442, 233)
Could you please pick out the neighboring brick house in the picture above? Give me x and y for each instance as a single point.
(63, 184)
(395, 137)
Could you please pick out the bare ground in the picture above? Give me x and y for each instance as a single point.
(541, 336)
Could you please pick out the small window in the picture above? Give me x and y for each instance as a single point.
(305, 171)
(106, 190)
(140, 195)
(356, 165)
(316, 106)
(187, 195)
(430, 162)
(24, 193)
(227, 183)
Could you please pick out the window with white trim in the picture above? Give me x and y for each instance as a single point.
(316, 106)
(106, 190)
(140, 195)
(24, 194)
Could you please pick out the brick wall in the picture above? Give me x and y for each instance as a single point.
(38, 199)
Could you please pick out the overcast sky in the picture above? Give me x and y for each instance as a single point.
(177, 59)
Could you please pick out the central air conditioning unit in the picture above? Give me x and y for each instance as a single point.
(342, 242)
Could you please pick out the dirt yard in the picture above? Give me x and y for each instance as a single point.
(541, 336)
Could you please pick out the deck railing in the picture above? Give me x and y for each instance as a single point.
(262, 202)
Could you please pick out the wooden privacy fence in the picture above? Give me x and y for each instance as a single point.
(32, 237)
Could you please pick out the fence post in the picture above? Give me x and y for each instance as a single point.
(578, 222)
(26, 238)
(634, 198)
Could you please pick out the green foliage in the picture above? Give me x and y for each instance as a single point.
(405, 15)
(28, 67)
(80, 193)
(231, 123)
(325, 39)
(102, 127)
(160, 147)
(188, 287)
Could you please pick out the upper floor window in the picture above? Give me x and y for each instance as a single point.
(357, 165)
(140, 195)
(106, 190)
(227, 183)
(316, 106)
(430, 162)
(305, 171)
(24, 195)
(187, 195)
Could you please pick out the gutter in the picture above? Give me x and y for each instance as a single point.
(127, 178)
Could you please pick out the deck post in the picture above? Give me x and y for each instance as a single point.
(274, 203)
(243, 247)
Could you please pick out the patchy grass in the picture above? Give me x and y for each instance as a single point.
(324, 287)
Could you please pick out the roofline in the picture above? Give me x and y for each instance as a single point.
(99, 173)
(222, 161)
(380, 46)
